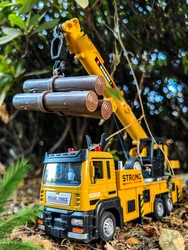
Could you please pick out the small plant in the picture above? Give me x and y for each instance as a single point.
(12, 177)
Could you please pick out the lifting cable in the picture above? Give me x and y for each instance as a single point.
(118, 37)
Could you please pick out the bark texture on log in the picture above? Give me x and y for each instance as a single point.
(74, 101)
(66, 84)
(103, 111)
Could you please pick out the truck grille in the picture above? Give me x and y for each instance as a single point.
(56, 224)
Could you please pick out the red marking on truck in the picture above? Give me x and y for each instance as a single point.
(127, 183)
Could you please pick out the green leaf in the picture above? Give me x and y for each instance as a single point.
(26, 7)
(34, 20)
(116, 158)
(113, 92)
(45, 26)
(16, 20)
(2, 18)
(3, 94)
(114, 151)
(185, 64)
(15, 244)
(19, 69)
(82, 3)
(26, 214)
(32, 1)
(11, 34)
(92, 2)
(6, 67)
(12, 177)
(7, 4)
(4, 4)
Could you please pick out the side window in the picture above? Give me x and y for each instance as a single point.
(108, 170)
(98, 169)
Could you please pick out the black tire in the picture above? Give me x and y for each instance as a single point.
(159, 209)
(107, 226)
(133, 163)
(168, 204)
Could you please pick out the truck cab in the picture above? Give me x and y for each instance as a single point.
(77, 187)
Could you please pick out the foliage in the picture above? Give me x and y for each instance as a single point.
(13, 69)
(154, 35)
(12, 177)
(113, 92)
(12, 245)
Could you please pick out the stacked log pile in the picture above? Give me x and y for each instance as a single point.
(76, 96)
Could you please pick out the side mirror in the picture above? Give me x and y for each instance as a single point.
(88, 140)
(102, 141)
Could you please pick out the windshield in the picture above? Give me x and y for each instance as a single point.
(62, 174)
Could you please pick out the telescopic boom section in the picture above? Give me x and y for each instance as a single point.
(85, 51)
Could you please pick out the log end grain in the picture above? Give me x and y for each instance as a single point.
(106, 109)
(100, 85)
(91, 101)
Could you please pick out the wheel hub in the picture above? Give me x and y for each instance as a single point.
(160, 209)
(137, 165)
(169, 204)
(108, 227)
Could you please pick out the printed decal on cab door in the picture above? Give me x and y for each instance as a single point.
(93, 195)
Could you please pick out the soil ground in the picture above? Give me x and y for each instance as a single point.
(134, 236)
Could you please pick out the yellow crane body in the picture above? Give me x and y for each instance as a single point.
(84, 194)
(85, 51)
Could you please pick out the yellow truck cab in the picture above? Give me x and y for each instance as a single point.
(74, 203)
(85, 198)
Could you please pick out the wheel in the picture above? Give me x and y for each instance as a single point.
(137, 165)
(159, 209)
(133, 163)
(168, 205)
(107, 226)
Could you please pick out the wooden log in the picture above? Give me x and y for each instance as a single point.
(74, 101)
(65, 84)
(103, 111)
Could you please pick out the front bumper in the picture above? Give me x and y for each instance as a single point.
(57, 223)
(77, 236)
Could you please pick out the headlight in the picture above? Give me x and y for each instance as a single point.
(77, 222)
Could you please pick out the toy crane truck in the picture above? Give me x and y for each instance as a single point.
(83, 195)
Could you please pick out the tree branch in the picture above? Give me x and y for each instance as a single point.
(61, 139)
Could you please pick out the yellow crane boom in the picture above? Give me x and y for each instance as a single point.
(85, 51)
